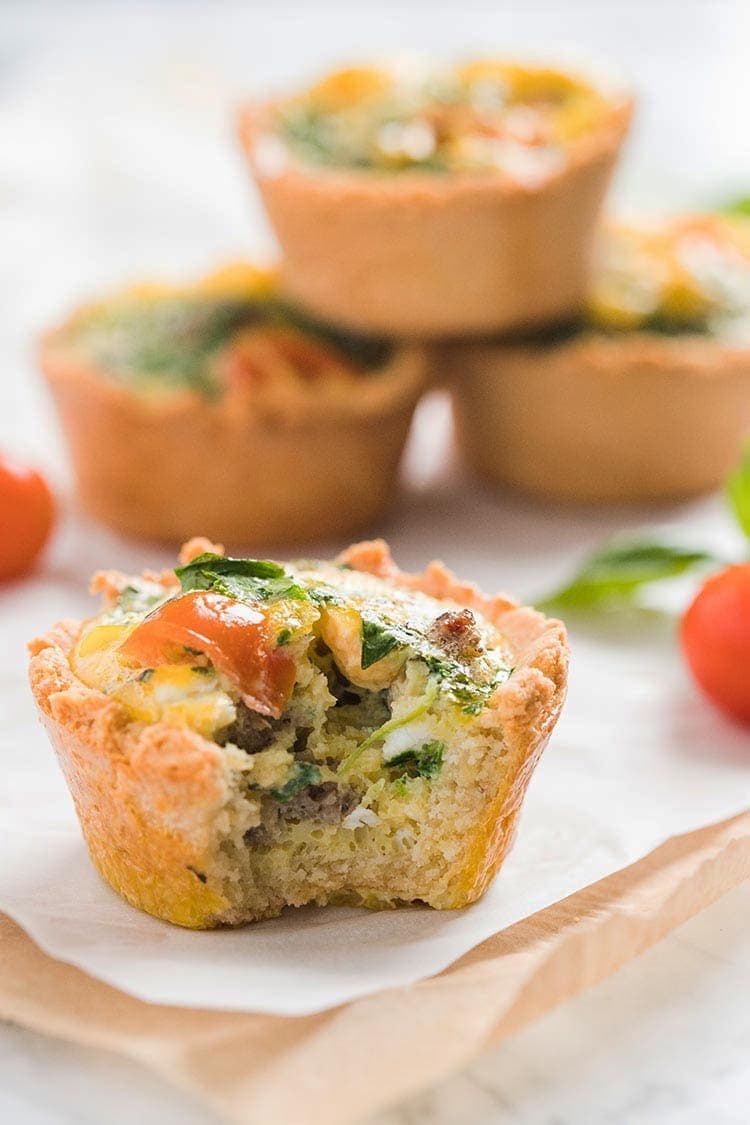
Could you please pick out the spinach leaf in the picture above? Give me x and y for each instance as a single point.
(421, 761)
(738, 206)
(321, 595)
(738, 493)
(379, 735)
(252, 580)
(378, 639)
(465, 689)
(302, 775)
(617, 573)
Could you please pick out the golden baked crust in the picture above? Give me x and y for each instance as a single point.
(251, 473)
(629, 417)
(154, 801)
(420, 255)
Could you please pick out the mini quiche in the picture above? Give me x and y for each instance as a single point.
(239, 736)
(222, 406)
(452, 201)
(646, 397)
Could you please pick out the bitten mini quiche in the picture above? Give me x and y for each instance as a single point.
(451, 200)
(220, 405)
(239, 735)
(646, 396)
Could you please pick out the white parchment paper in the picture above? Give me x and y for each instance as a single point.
(144, 178)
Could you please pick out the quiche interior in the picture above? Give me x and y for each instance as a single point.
(360, 751)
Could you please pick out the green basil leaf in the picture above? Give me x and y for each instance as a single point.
(378, 639)
(192, 574)
(421, 761)
(254, 580)
(302, 775)
(617, 573)
(738, 493)
(738, 206)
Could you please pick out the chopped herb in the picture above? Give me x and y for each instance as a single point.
(202, 669)
(137, 599)
(475, 706)
(145, 675)
(284, 637)
(401, 786)
(302, 775)
(378, 640)
(198, 874)
(738, 493)
(321, 595)
(421, 761)
(617, 573)
(382, 732)
(251, 580)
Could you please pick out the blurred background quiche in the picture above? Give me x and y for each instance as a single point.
(645, 396)
(435, 201)
(220, 406)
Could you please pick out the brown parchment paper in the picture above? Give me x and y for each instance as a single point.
(345, 1064)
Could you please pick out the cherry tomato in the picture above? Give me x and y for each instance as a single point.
(715, 636)
(26, 514)
(236, 637)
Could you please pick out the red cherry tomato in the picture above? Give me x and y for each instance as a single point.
(236, 637)
(715, 635)
(27, 511)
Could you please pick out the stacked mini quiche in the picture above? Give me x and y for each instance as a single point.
(438, 221)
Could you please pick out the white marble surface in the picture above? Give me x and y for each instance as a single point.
(665, 1041)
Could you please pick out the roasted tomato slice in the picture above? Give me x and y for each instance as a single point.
(260, 358)
(237, 638)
